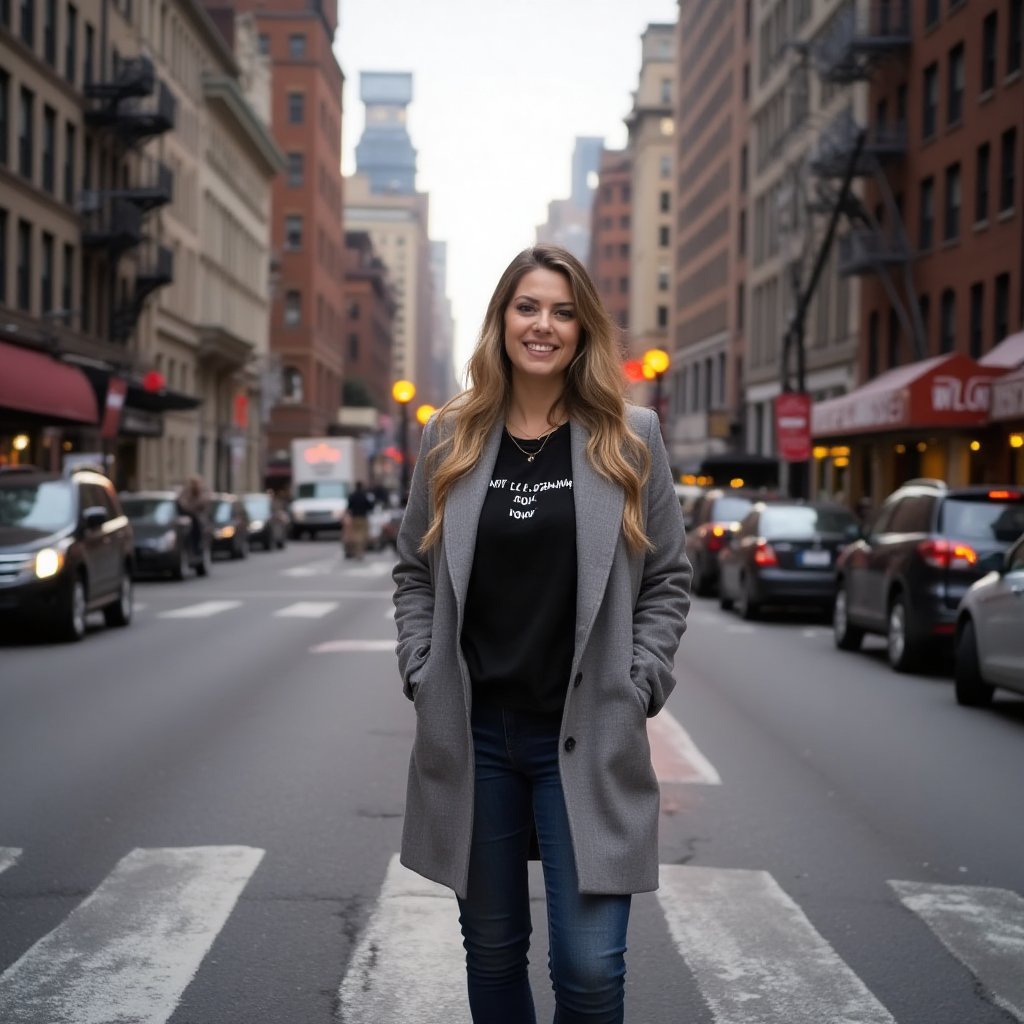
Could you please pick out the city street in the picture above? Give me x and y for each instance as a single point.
(200, 816)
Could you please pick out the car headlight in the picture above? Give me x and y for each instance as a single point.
(49, 562)
(166, 541)
(255, 525)
(225, 533)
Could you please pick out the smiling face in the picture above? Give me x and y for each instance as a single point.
(542, 331)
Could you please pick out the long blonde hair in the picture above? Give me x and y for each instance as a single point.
(593, 396)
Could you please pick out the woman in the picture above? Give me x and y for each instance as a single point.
(542, 588)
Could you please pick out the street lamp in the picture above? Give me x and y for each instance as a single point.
(403, 392)
(656, 361)
(423, 414)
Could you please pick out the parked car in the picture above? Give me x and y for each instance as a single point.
(163, 535)
(230, 525)
(990, 633)
(905, 578)
(688, 495)
(784, 553)
(269, 523)
(715, 516)
(66, 549)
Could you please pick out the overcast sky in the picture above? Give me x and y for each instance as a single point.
(501, 89)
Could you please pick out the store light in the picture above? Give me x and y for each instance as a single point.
(820, 452)
(1017, 440)
(736, 481)
(20, 442)
(841, 462)
(901, 449)
(975, 446)
(922, 446)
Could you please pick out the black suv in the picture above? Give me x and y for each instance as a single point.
(904, 579)
(715, 517)
(65, 550)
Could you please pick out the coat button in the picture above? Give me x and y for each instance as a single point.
(578, 679)
(570, 745)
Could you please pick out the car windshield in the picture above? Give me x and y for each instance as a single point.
(796, 521)
(222, 511)
(730, 509)
(984, 518)
(258, 505)
(48, 505)
(161, 511)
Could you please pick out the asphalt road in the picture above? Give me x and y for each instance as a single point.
(198, 816)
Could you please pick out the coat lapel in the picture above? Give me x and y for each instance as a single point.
(599, 505)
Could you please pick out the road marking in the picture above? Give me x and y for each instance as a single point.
(306, 610)
(203, 610)
(321, 567)
(754, 954)
(674, 754)
(8, 857)
(982, 927)
(353, 646)
(371, 569)
(739, 628)
(129, 950)
(139, 606)
(409, 966)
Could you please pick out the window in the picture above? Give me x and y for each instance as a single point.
(353, 347)
(50, 32)
(947, 321)
(662, 315)
(927, 222)
(5, 117)
(746, 80)
(3, 256)
(1007, 173)
(743, 168)
(71, 44)
(894, 338)
(296, 107)
(623, 285)
(665, 166)
(28, 23)
(70, 141)
(952, 219)
(666, 90)
(741, 239)
(85, 302)
(663, 236)
(46, 278)
(291, 384)
(740, 305)
(912, 515)
(49, 147)
(662, 279)
(1001, 322)
(292, 308)
(1015, 37)
(931, 13)
(976, 339)
(924, 306)
(955, 85)
(90, 47)
(87, 163)
(988, 52)
(24, 270)
(873, 345)
(264, 44)
(297, 45)
(26, 115)
(67, 277)
(981, 174)
(293, 232)
(930, 101)
(296, 170)
(664, 202)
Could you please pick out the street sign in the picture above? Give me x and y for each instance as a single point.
(793, 425)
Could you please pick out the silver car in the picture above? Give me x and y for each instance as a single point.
(990, 633)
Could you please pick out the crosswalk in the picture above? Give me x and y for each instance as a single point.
(131, 948)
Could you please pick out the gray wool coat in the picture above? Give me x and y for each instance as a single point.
(630, 614)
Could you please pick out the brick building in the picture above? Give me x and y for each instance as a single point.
(610, 232)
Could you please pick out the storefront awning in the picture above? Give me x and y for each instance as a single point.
(1009, 353)
(35, 383)
(1008, 396)
(942, 392)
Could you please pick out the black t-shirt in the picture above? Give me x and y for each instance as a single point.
(519, 630)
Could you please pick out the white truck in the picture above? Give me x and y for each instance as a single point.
(324, 472)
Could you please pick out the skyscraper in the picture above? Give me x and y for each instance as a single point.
(385, 153)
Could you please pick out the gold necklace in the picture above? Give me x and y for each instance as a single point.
(530, 456)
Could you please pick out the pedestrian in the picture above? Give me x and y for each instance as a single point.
(541, 592)
(357, 521)
(193, 500)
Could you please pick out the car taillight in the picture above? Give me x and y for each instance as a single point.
(947, 554)
(764, 555)
(716, 538)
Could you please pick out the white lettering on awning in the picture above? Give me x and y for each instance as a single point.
(860, 412)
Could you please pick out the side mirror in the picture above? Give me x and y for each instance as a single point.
(94, 517)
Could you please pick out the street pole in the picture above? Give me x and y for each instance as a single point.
(405, 448)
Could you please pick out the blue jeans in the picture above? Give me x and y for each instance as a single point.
(517, 784)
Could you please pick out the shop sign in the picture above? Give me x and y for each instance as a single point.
(793, 425)
(869, 412)
(116, 388)
(1008, 398)
(951, 394)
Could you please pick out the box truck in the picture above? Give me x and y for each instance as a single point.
(324, 471)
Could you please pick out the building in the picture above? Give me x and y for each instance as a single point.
(611, 229)
(708, 340)
(938, 245)
(385, 153)
(568, 223)
(308, 271)
(651, 128)
(447, 375)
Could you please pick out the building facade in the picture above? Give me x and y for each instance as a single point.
(370, 312)
(611, 230)
(568, 223)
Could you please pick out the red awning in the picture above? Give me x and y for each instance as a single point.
(33, 382)
(944, 391)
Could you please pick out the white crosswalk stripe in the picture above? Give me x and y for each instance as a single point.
(675, 755)
(754, 954)
(983, 928)
(409, 966)
(202, 610)
(8, 857)
(129, 950)
(322, 567)
(306, 610)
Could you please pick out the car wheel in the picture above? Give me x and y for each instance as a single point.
(120, 612)
(748, 608)
(847, 637)
(73, 609)
(971, 690)
(901, 648)
(203, 568)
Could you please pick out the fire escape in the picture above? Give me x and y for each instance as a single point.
(862, 36)
(130, 108)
